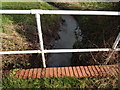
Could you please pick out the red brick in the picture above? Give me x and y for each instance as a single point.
(79, 71)
(43, 72)
(109, 70)
(47, 74)
(34, 73)
(55, 72)
(39, 73)
(102, 70)
(117, 69)
(26, 73)
(63, 71)
(75, 72)
(106, 70)
(59, 72)
(83, 71)
(95, 71)
(113, 70)
(87, 71)
(109, 73)
(51, 72)
(91, 71)
(71, 72)
(99, 71)
(67, 71)
(30, 73)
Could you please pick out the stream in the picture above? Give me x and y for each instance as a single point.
(69, 33)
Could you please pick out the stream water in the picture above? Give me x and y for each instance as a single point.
(69, 33)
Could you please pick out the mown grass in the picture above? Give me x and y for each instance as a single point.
(59, 82)
(27, 19)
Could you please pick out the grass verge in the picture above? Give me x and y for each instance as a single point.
(59, 82)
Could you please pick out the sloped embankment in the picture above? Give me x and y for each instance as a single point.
(19, 32)
(97, 31)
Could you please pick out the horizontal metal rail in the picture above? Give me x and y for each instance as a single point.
(20, 52)
(79, 50)
(58, 51)
(73, 12)
(66, 12)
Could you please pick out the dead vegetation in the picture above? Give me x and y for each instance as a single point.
(100, 33)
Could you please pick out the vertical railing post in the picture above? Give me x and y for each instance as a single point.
(40, 38)
(116, 41)
(113, 47)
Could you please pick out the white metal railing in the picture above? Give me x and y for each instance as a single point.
(67, 12)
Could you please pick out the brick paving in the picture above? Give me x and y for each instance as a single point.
(75, 71)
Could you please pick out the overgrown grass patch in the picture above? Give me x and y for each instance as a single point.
(87, 5)
(97, 32)
(19, 32)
